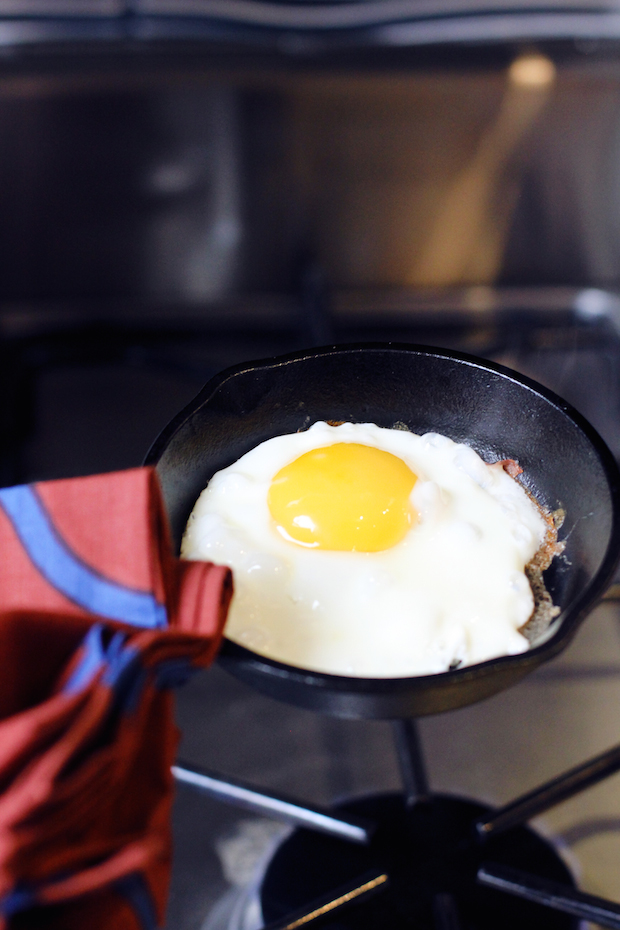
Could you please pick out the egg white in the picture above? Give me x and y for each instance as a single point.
(453, 591)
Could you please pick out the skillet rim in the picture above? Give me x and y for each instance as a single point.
(568, 621)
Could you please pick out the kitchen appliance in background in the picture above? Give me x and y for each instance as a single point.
(190, 184)
(184, 191)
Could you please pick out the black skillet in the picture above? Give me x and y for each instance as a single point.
(497, 412)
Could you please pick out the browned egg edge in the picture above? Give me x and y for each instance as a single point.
(544, 609)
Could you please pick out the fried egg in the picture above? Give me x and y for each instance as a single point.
(363, 551)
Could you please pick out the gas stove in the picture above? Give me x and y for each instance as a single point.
(488, 753)
(419, 856)
(258, 873)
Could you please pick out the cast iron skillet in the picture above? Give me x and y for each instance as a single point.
(502, 415)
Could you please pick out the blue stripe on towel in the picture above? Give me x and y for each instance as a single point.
(135, 890)
(92, 659)
(67, 572)
(120, 665)
(21, 898)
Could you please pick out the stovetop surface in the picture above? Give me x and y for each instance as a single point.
(494, 751)
(104, 417)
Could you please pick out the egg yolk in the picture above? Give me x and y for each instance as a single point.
(346, 497)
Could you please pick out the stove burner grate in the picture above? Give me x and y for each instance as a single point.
(418, 860)
(432, 856)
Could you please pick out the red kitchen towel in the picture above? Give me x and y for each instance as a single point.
(97, 621)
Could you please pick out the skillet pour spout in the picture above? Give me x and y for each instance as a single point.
(500, 414)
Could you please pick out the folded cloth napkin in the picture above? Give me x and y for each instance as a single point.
(97, 621)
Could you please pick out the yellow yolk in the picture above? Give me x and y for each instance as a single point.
(346, 496)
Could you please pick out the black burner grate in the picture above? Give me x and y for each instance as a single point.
(420, 861)
(432, 856)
